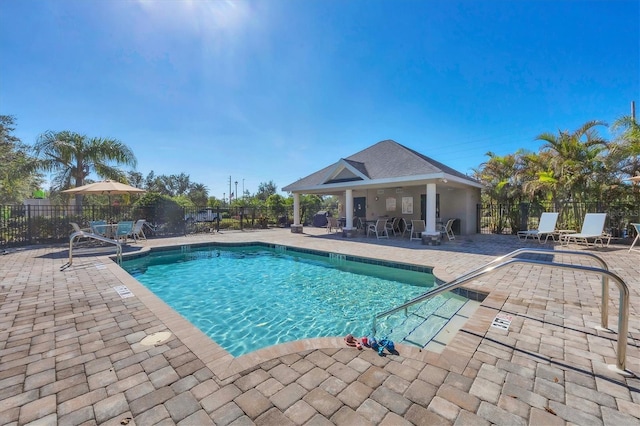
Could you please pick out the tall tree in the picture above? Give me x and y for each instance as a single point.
(265, 189)
(135, 179)
(73, 157)
(18, 178)
(199, 194)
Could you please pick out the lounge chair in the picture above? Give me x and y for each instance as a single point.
(637, 227)
(546, 227)
(417, 228)
(137, 233)
(83, 232)
(592, 227)
(380, 229)
(446, 230)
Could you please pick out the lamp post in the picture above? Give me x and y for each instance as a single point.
(224, 196)
(236, 190)
(242, 189)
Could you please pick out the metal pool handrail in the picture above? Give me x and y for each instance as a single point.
(623, 315)
(82, 234)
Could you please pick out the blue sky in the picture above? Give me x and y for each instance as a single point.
(277, 89)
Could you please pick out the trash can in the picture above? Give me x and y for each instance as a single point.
(320, 219)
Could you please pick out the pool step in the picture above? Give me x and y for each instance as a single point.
(433, 324)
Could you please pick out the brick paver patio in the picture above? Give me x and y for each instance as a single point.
(72, 349)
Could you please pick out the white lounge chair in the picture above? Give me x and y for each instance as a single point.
(82, 233)
(417, 228)
(137, 233)
(637, 226)
(546, 227)
(380, 229)
(592, 227)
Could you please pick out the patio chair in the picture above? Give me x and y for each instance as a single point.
(592, 227)
(446, 229)
(123, 230)
(417, 228)
(637, 227)
(98, 227)
(137, 233)
(406, 227)
(546, 227)
(393, 226)
(333, 223)
(380, 229)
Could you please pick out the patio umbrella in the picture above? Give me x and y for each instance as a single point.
(105, 187)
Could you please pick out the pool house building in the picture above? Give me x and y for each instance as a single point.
(390, 180)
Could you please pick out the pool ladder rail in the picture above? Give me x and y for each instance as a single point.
(510, 259)
(83, 234)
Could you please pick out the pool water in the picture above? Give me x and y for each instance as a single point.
(247, 298)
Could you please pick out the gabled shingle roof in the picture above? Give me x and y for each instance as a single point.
(382, 161)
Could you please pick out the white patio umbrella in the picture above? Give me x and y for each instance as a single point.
(105, 187)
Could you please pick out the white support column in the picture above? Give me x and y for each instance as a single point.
(296, 208)
(296, 228)
(348, 201)
(430, 222)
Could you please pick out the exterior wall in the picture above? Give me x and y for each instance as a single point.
(460, 203)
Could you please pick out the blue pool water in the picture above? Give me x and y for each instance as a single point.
(247, 298)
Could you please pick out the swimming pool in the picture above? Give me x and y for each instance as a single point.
(249, 297)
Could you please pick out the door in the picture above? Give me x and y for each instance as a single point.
(360, 207)
(423, 207)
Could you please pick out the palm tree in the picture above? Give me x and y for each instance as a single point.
(626, 149)
(576, 165)
(576, 159)
(501, 176)
(72, 157)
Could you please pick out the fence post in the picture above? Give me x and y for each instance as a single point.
(524, 216)
(29, 230)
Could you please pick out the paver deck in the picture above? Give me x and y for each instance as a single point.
(72, 349)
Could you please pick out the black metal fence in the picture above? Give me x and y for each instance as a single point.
(25, 225)
(28, 224)
(511, 218)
